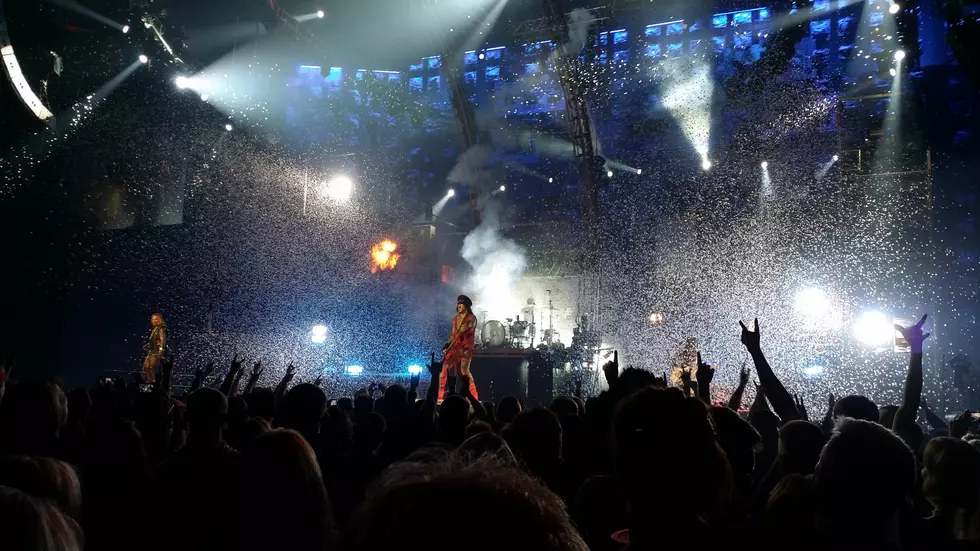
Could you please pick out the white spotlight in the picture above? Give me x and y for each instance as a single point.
(451, 192)
(551, 180)
(228, 127)
(813, 370)
(204, 97)
(320, 14)
(899, 55)
(836, 158)
(765, 164)
(143, 59)
(481, 56)
(340, 188)
(182, 82)
(414, 369)
(354, 370)
(874, 329)
(319, 334)
(706, 164)
(503, 188)
(639, 171)
(609, 173)
(893, 9)
(811, 302)
(125, 29)
(892, 71)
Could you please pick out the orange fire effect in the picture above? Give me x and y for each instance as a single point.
(383, 256)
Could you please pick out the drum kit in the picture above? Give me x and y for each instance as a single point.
(508, 334)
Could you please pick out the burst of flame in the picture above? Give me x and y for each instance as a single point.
(383, 256)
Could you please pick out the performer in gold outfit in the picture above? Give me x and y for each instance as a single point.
(458, 352)
(154, 348)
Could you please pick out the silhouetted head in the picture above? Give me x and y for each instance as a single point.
(856, 407)
(563, 405)
(363, 405)
(454, 416)
(791, 510)
(508, 408)
(284, 487)
(518, 512)
(207, 409)
(864, 477)
(369, 432)
(487, 443)
(652, 421)
(35, 524)
(301, 410)
(535, 438)
(800, 443)
(633, 379)
(396, 399)
(44, 478)
(31, 416)
(738, 439)
(951, 475)
(262, 403)
(477, 427)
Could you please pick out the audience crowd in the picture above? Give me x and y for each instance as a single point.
(647, 464)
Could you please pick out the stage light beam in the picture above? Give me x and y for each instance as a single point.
(125, 29)
(451, 193)
(836, 158)
(874, 329)
(354, 370)
(414, 369)
(144, 59)
(320, 14)
(894, 8)
(503, 188)
(899, 55)
(765, 164)
(182, 82)
(340, 188)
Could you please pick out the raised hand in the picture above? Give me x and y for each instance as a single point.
(831, 402)
(208, 369)
(435, 368)
(236, 364)
(257, 369)
(801, 407)
(913, 334)
(611, 369)
(413, 381)
(290, 370)
(743, 376)
(319, 380)
(751, 339)
(704, 373)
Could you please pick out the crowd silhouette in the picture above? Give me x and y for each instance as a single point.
(646, 464)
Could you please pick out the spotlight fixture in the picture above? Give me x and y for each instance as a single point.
(639, 171)
(894, 8)
(892, 71)
(451, 192)
(204, 97)
(143, 58)
(481, 56)
(228, 127)
(125, 29)
(706, 164)
(320, 14)
(503, 188)
(182, 82)
(899, 55)
(609, 173)
(765, 164)
(551, 180)
(836, 158)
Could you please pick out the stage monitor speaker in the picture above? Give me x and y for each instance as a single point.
(500, 375)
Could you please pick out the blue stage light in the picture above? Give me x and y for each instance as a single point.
(354, 370)
(414, 369)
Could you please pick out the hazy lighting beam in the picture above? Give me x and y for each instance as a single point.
(80, 9)
(689, 102)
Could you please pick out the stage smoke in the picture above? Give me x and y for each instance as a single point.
(496, 261)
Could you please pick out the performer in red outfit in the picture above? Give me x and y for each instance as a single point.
(458, 352)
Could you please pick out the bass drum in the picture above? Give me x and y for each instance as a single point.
(493, 333)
